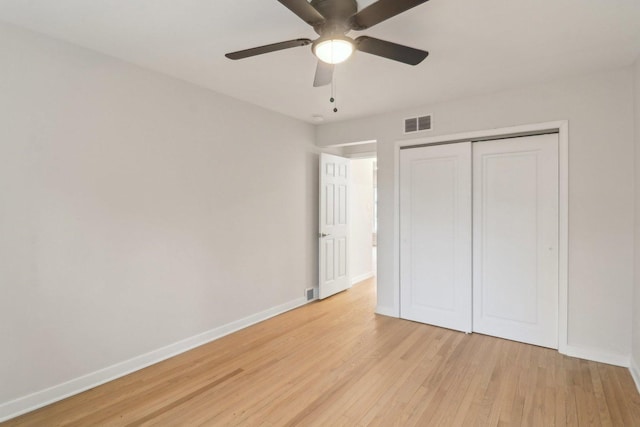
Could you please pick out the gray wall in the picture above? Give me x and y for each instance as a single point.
(636, 301)
(601, 208)
(137, 210)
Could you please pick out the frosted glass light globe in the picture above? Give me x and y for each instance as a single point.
(333, 51)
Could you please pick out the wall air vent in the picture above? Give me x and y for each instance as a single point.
(310, 294)
(418, 124)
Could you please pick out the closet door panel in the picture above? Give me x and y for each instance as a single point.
(515, 239)
(435, 229)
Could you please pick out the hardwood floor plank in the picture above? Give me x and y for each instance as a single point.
(336, 363)
(177, 403)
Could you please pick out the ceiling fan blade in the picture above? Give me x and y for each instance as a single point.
(241, 54)
(324, 74)
(304, 10)
(381, 11)
(397, 52)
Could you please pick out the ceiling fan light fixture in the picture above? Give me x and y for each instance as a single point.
(333, 49)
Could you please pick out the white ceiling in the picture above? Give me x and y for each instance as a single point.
(476, 47)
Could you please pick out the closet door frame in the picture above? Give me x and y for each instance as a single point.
(559, 127)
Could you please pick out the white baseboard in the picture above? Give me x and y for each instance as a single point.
(596, 355)
(635, 373)
(361, 277)
(58, 392)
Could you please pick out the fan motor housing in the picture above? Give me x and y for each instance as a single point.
(336, 12)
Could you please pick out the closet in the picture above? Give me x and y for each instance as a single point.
(479, 237)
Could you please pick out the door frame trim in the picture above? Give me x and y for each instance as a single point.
(562, 128)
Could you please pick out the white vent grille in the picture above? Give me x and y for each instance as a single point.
(418, 124)
(410, 125)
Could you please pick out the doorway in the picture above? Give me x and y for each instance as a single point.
(347, 221)
(363, 230)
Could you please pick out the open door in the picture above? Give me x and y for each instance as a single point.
(334, 225)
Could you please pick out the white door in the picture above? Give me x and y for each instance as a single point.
(515, 239)
(435, 235)
(334, 226)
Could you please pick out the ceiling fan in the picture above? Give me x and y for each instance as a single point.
(332, 20)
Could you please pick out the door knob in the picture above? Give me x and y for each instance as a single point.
(323, 235)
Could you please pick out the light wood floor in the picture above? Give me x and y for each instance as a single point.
(336, 363)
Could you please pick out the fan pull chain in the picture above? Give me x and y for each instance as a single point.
(333, 90)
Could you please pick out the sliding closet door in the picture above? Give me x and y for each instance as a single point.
(435, 235)
(515, 239)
